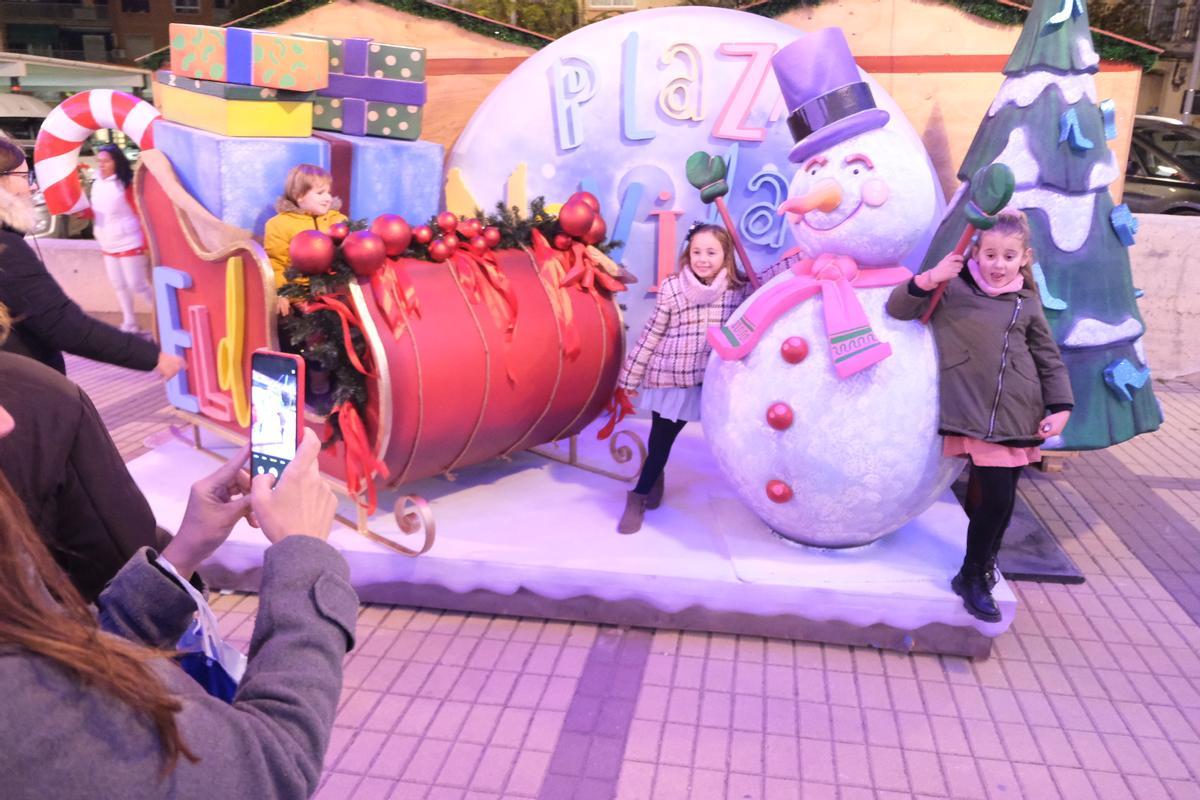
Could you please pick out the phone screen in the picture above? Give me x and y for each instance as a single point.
(275, 413)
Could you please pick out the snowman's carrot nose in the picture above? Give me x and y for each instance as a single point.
(825, 196)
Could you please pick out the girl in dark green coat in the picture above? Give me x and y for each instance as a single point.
(1002, 387)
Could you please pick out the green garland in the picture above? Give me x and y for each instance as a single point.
(290, 9)
(1108, 48)
(318, 335)
(516, 229)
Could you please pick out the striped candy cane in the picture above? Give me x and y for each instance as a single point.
(56, 155)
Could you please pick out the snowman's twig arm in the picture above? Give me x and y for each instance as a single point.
(737, 243)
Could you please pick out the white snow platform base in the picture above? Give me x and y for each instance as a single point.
(533, 537)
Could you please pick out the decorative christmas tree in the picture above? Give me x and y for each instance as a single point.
(1048, 126)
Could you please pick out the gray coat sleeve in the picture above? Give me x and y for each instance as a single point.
(271, 742)
(144, 605)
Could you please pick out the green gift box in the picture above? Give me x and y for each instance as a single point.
(356, 117)
(231, 91)
(371, 59)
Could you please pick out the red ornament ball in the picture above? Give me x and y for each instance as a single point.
(339, 231)
(596, 233)
(311, 252)
(780, 416)
(588, 199)
(438, 251)
(451, 241)
(778, 491)
(561, 241)
(447, 222)
(470, 228)
(364, 252)
(478, 245)
(491, 235)
(794, 349)
(423, 234)
(576, 218)
(395, 232)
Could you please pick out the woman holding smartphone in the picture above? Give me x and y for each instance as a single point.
(93, 708)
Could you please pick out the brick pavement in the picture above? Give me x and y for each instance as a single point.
(1094, 692)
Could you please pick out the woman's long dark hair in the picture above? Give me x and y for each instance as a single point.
(65, 632)
(124, 171)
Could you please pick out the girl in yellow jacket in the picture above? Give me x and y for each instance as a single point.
(307, 204)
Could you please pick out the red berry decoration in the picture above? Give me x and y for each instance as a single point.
(561, 241)
(447, 222)
(451, 241)
(588, 199)
(438, 251)
(311, 252)
(423, 234)
(395, 232)
(596, 233)
(339, 231)
(470, 228)
(778, 491)
(780, 416)
(576, 218)
(364, 252)
(478, 245)
(794, 349)
(491, 235)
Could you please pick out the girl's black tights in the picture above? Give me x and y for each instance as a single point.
(991, 496)
(662, 436)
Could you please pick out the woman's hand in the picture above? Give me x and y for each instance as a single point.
(214, 505)
(301, 504)
(283, 306)
(169, 365)
(1053, 425)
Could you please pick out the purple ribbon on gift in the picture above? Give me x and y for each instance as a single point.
(353, 83)
(239, 55)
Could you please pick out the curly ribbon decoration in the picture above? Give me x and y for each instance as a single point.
(328, 302)
(551, 269)
(588, 267)
(396, 295)
(361, 464)
(619, 407)
(485, 282)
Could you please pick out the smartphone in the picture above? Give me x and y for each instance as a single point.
(276, 406)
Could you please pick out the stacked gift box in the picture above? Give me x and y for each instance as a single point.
(374, 90)
(240, 107)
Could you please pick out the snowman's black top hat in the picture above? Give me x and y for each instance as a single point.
(827, 98)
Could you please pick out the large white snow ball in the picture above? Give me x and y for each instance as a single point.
(861, 456)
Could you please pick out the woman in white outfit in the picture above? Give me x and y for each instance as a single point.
(119, 232)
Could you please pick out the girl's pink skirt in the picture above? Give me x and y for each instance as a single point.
(989, 454)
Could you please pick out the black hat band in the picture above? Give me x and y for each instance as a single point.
(829, 108)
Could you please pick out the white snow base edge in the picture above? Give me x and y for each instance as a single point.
(538, 538)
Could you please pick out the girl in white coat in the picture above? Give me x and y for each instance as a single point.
(119, 232)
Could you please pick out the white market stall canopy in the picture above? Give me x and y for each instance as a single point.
(45, 75)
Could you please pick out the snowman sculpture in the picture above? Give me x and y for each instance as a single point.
(820, 409)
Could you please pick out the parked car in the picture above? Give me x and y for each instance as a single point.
(1163, 174)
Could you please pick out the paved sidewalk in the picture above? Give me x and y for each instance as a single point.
(1093, 693)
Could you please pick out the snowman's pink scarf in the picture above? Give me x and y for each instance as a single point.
(853, 345)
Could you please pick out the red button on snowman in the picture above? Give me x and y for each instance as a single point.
(860, 455)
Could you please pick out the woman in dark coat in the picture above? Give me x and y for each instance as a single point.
(46, 322)
(69, 475)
